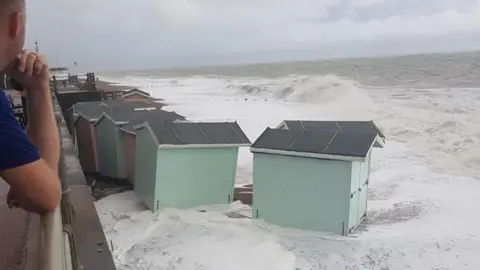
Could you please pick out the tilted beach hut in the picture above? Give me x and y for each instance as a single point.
(84, 115)
(78, 107)
(85, 139)
(128, 135)
(186, 164)
(111, 158)
(67, 99)
(312, 179)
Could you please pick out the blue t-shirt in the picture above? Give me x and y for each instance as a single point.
(16, 149)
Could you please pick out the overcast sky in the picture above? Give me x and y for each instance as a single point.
(113, 34)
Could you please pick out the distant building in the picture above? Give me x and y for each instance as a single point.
(73, 80)
(60, 73)
(128, 135)
(112, 95)
(129, 95)
(186, 164)
(136, 94)
(313, 179)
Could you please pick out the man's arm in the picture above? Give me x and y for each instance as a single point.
(33, 183)
(42, 125)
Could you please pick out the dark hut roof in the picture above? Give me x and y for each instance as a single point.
(85, 104)
(67, 99)
(122, 115)
(92, 113)
(80, 106)
(89, 109)
(94, 109)
(346, 126)
(324, 144)
(156, 116)
(191, 133)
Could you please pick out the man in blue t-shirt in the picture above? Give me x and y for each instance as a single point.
(28, 160)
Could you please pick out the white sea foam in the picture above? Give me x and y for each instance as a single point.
(423, 204)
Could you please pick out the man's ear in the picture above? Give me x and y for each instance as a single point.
(15, 24)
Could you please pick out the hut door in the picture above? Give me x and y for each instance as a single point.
(362, 202)
(353, 216)
(363, 192)
(354, 196)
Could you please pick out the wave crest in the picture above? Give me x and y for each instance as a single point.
(309, 89)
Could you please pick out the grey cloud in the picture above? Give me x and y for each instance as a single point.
(404, 8)
(112, 33)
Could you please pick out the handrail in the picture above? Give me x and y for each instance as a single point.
(54, 242)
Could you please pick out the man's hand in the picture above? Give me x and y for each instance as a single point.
(30, 69)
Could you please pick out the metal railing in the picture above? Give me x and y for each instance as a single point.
(55, 243)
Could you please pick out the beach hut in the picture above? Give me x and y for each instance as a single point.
(91, 111)
(111, 159)
(67, 99)
(350, 126)
(312, 179)
(186, 164)
(128, 135)
(136, 94)
(85, 138)
(86, 106)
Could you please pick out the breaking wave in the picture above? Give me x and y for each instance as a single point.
(307, 89)
(439, 123)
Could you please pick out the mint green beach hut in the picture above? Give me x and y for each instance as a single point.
(186, 164)
(110, 152)
(128, 135)
(315, 179)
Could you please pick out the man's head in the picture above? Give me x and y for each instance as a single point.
(12, 30)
